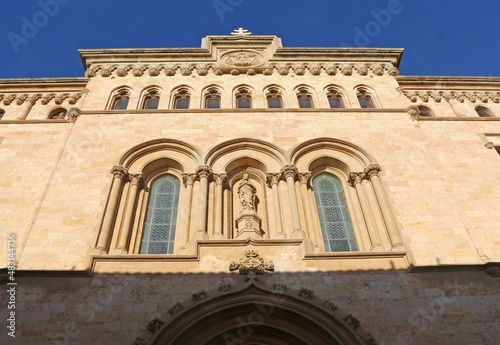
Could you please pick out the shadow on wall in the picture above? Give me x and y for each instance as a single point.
(350, 307)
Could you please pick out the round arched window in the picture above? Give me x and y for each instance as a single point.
(58, 114)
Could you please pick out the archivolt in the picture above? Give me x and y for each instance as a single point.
(256, 315)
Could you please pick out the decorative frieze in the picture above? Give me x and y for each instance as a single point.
(460, 96)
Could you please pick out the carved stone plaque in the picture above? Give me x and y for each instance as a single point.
(242, 59)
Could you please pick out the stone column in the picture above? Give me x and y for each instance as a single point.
(219, 212)
(203, 172)
(124, 234)
(355, 181)
(372, 173)
(454, 103)
(27, 103)
(273, 181)
(182, 236)
(109, 216)
(304, 179)
(288, 173)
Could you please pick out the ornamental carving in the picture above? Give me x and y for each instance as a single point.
(351, 321)
(9, 99)
(299, 71)
(154, 72)
(283, 70)
(176, 308)
(369, 339)
(289, 171)
(378, 71)
(372, 170)
(204, 171)
(139, 341)
(267, 71)
(315, 70)
(121, 72)
(189, 179)
(362, 70)
(155, 325)
(90, 73)
(105, 72)
(202, 71)
(169, 72)
(242, 59)
(329, 306)
(20, 100)
(252, 262)
(347, 70)
(137, 72)
(393, 72)
(305, 293)
(118, 171)
(225, 288)
(280, 288)
(235, 72)
(186, 72)
(199, 296)
(331, 71)
(218, 72)
(251, 71)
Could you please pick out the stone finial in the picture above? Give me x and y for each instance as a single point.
(241, 32)
(253, 262)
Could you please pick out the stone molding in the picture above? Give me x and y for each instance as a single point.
(241, 62)
(45, 99)
(472, 96)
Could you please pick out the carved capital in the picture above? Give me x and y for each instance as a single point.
(272, 178)
(355, 178)
(220, 178)
(289, 171)
(136, 179)
(189, 179)
(204, 171)
(118, 171)
(304, 178)
(73, 114)
(372, 170)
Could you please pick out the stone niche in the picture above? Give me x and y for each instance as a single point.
(248, 206)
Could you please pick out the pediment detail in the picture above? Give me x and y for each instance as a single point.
(241, 59)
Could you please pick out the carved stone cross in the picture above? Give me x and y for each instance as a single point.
(241, 31)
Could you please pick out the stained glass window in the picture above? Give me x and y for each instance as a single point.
(336, 227)
(161, 216)
(58, 114)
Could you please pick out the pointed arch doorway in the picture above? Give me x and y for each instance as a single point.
(254, 315)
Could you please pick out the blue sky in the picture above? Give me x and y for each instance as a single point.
(441, 37)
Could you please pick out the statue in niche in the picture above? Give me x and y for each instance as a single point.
(246, 192)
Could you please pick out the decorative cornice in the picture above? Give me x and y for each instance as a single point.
(245, 62)
(473, 96)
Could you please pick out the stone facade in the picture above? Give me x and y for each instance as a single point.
(418, 172)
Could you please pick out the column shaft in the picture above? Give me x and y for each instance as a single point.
(273, 181)
(124, 233)
(109, 216)
(219, 212)
(204, 172)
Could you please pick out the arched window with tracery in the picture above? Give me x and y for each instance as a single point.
(335, 98)
(182, 98)
(274, 98)
(58, 114)
(484, 112)
(305, 99)
(212, 99)
(243, 98)
(338, 235)
(120, 99)
(161, 216)
(365, 98)
(151, 99)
